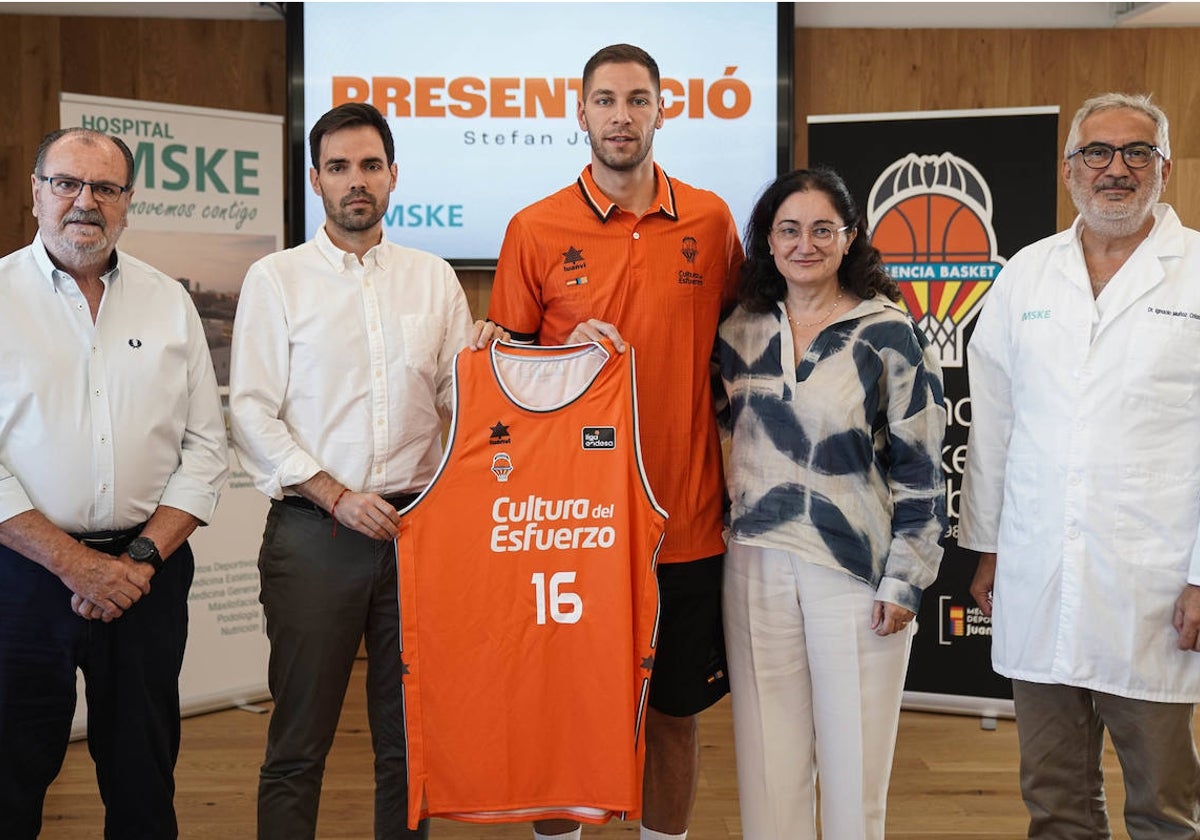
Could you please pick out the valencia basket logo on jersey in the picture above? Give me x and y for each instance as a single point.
(931, 217)
(502, 466)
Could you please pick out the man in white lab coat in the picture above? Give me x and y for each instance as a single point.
(1082, 487)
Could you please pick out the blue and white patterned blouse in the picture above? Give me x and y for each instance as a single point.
(838, 459)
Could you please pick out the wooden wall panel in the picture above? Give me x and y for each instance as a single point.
(32, 44)
(234, 64)
(846, 71)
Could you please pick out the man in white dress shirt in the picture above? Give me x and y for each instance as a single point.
(343, 352)
(1082, 487)
(112, 450)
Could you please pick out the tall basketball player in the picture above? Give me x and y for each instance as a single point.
(630, 254)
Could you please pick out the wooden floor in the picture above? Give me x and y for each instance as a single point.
(951, 779)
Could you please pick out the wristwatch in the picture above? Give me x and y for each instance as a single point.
(143, 550)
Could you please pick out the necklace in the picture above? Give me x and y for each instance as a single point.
(822, 319)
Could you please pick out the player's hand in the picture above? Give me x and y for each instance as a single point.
(1187, 618)
(888, 618)
(485, 332)
(369, 514)
(984, 580)
(594, 330)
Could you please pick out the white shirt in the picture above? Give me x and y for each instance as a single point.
(1083, 465)
(345, 366)
(101, 423)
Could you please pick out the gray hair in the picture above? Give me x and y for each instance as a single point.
(1133, 101)
(89, 136)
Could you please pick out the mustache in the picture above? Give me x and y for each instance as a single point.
(355, 195)
(91, 217)
(1121, 182)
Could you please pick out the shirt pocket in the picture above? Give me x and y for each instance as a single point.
(1160, 367)
(422, 337)
(1155, 521)
(573, 300)
(1022, 503)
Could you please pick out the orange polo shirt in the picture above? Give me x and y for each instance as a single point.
(663, 280)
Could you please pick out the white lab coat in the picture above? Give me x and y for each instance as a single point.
(1083, 464)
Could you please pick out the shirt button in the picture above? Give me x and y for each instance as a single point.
(636, 235)
(379, 422)
(1075, 479)
(1073, 533)
(97, 392)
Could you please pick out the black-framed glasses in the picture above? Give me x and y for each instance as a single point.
(105, 192)
(1100, 155)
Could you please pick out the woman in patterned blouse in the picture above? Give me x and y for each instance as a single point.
(836, 417)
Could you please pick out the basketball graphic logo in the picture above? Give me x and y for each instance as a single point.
(931, 218)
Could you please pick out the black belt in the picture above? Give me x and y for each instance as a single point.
(399, 502)
(110, 542)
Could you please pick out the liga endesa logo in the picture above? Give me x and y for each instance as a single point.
(931, 217)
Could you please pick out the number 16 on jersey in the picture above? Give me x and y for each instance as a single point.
(566, 607)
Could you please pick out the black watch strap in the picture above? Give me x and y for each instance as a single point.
(143, 550)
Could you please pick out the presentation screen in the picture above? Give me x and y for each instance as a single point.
(482, 100)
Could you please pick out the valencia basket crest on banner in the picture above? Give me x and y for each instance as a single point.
(931, 218)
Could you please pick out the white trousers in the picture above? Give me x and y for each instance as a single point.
(815, 694)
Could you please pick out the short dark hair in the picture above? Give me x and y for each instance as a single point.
(43, 149)
(861, 271)
(621, 54)
(349, 115)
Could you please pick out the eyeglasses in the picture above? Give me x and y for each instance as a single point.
(1100, 155)
(817, 233)
(103, 191)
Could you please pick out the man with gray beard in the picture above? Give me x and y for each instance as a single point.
(112, 451)
(1082, 487)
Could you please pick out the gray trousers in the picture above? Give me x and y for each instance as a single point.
(321, 595)
(1061, 733)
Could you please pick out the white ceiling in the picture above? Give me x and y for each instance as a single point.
(969, 15)
(822, 14)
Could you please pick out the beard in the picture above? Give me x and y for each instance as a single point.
(358, 217)
(1117, 218)
(62, 240)
(621, 160)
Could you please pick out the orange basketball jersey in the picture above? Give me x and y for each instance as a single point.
(528, 597)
